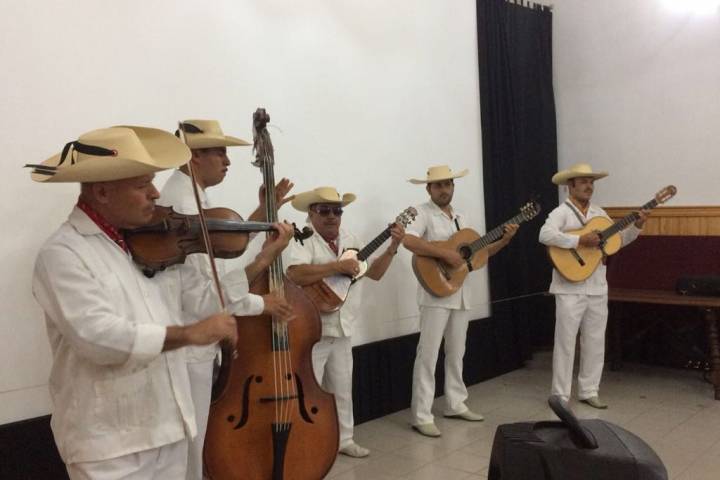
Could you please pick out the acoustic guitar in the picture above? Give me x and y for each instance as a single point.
(439, 278)
(577, 264)
(330, 293)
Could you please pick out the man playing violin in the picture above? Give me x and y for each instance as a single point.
(317, 259)
(441, 317)
(119, 381)
(210, 163)
(580, 305)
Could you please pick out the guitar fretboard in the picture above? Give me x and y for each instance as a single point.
(627, 220)
(495, 234)
(368, 249)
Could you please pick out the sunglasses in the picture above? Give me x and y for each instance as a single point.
(324, 210)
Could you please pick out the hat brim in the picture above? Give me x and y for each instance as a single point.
(212, 141)
(561, 178)
(164, 149)
(302, 201)
(418, 181)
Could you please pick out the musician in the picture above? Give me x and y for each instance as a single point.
(119, 381)
(445, 317)
(319, 258)
(210, 162)
(580, 305)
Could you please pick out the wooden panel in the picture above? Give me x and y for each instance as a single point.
(700, 220)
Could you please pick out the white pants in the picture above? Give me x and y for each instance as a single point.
(200, 374)
(333, 366)
(164, 463)
(587, 313)
(436, 323)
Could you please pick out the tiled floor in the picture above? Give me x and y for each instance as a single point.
(673, 410)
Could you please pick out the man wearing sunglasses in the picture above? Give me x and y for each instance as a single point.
(210, 164)
(317, 259)
(441, 317)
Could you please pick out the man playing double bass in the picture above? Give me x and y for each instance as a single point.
(317, 259)
(119, 381)
(210, 162)
(441, 317)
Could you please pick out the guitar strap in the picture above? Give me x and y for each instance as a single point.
(575, 211)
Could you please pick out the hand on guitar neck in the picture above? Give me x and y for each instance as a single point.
(592, 239)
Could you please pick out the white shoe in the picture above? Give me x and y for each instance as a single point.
(352, 449)
(468, 415)
(427, 429)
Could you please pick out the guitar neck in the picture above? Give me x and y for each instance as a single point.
(368, 249)
(495, 234)
(627, 220)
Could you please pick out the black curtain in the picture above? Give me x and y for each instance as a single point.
(519, 158)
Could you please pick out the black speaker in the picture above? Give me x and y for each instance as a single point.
(571, 449)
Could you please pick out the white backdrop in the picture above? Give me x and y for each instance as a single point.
(637, 89)
(363, 94)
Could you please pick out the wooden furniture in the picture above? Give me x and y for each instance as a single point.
(709, 305)
(676, 242)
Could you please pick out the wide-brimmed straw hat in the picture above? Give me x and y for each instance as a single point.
(302, 201)
(208, 134)
(576, 171)
(438, 173)
(113, 154)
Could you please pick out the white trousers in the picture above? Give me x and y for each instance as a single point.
(200, 374)
(333, 366)
(437, 323)
(164, 463)
(588, 314)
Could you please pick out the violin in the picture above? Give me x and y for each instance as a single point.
(171, 236)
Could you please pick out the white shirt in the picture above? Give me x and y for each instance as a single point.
(562, 219)
(114, 391)
(432, 224)
(316, 251)
(178, 194)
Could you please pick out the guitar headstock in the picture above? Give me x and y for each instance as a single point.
(665, 194)
(530, 210)
(406, 217)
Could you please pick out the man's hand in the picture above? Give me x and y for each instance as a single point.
(397, 233)
(216, 328)
(348, 266)
(281, 190)
(640, 222)
(279, 239)
(278, 307)
(509, 231)
(453, 258)
(591, 239)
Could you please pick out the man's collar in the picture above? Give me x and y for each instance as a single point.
(185, 179)
(436, 210)
(82, 223)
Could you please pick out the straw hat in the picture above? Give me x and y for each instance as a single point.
(438, 173)
(577, 170)
(208, 134)
(113, 154)
(302, 201)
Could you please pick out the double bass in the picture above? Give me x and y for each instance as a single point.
(269, 418)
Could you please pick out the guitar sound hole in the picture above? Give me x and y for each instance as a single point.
(465, 252)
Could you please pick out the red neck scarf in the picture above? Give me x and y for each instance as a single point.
(100, 221)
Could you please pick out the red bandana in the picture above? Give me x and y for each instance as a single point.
(109, 230)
